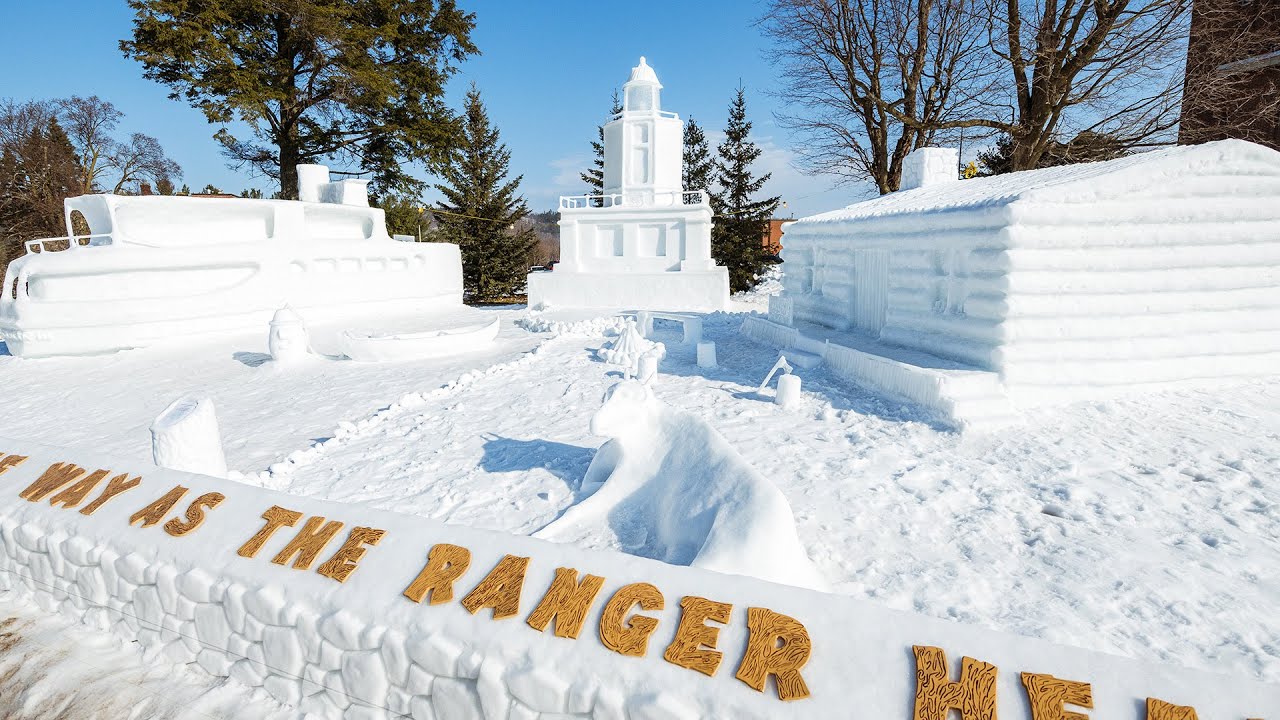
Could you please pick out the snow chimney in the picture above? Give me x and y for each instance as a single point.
(312, 180)
(930, 166)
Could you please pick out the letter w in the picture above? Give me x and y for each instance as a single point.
(56, 476)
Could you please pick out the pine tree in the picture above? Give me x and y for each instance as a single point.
(741, 223)
(594, 176)
(405, 215)
(699, 168)
(481, 209)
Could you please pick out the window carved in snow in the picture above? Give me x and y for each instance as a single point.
(639, 165)
(950, 281)
(641, 99)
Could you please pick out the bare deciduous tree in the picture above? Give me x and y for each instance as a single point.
(1101, 66)
(873, 79)
(869, 81)
(89, 123)
(141, 159)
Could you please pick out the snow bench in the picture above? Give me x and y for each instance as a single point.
(692, 324)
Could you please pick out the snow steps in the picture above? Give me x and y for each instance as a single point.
(957, 395)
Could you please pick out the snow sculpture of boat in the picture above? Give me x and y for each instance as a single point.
(372, 347)
(155, 268)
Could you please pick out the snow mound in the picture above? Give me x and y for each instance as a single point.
(573, 326)
(673, 489)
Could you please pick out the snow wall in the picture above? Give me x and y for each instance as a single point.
(348, 612)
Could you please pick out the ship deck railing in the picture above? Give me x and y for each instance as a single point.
(66, 242)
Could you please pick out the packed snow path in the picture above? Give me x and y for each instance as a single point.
(1148, 526)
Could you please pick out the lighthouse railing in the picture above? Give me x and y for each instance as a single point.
(659, 113)
(666, 198)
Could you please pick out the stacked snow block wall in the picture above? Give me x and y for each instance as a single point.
(1076, 281)
(183, 565)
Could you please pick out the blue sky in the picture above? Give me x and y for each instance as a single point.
(546, 74)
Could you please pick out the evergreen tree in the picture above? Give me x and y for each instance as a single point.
(699, 168)
(405, 215)
(481, 209)
(594, 176)
(38, 170)
(358, 81)
(741, 223)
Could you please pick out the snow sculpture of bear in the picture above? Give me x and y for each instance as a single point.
(673, 489)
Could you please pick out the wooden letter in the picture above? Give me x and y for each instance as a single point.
(115, 486)
(445, 564)
(155, 512)
(974, 695)
(76, 494)
(54, 477)
(1161, 710)
(1047, 694)
(500, 589)
(308, 542)
(344, 561)
(10, 461)
(692, 635)
(195, 514)
(630, 636)
(567, 601)
(776, 645)
(276, 517)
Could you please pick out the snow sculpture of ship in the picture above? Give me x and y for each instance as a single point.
(155, 268)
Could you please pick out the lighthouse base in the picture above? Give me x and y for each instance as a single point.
(687, 291)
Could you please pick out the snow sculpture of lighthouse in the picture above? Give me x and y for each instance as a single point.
(645, 243)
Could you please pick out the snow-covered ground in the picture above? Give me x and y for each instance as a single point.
(1147, 526)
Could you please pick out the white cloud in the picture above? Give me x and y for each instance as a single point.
(563, 179)
(568, 171)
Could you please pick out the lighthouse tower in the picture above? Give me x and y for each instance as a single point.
(643, 147)
(645, 243)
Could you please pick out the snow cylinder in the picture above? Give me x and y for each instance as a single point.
(185, 437)
(788, 391)
(647, 368)
(706, 354)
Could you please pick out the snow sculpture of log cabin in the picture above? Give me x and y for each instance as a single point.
(975, 297)
(154, 268)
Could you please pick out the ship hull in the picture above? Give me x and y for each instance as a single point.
(96, 300)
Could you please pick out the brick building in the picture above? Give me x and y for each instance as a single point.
(1232, 84)
(773, 238)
